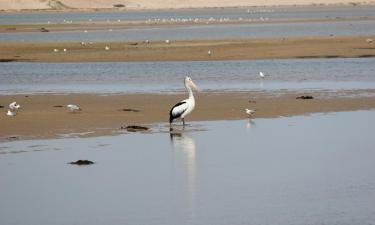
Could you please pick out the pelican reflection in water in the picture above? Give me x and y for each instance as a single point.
(185, 160)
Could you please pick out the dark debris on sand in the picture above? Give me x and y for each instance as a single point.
(134, 128)
(129, 110)
(305, 97)
(82, 162)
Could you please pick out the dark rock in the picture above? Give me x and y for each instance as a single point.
(26, 96)
(7, 60)
(58, 106)
(82, 162)
(1, 106)
(43, 30)
(135, 43)
(252, 101)
(134, 128)
(305, 97)
(129, 110)
(12, 138)
(119, 5)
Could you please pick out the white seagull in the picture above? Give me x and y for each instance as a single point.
(14, 106)
(184, 107)
(262, 75)
(209, 52)
(250, 112)
(11, 113)
(73, 108)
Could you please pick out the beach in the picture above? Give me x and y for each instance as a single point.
(106, 114)
(159, 4)
(278, 48)
(303, 70)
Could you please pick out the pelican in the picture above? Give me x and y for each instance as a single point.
(73, 108)
(14, 106)
(184, 107)
(250, 112)
(11, 113)
(262, 75)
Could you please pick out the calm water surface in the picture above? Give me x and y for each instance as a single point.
(151, 77)
(300, 170)
(250, 13)
(193, 32)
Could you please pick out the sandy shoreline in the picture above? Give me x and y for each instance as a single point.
(239, 49)
(103, 115)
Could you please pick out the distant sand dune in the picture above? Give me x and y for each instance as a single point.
(157, 4)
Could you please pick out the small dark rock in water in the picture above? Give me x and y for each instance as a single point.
(43, 30)
(305, 97)
(130, 110)
(134, 128)
(82, 162)
(58, 106)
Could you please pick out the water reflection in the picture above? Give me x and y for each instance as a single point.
(185, 149)
(250, 123)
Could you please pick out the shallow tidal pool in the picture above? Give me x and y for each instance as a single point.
(315, 169)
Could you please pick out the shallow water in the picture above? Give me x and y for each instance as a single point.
(276, 13)
(151, 77)
(201, 32)
(315, 169)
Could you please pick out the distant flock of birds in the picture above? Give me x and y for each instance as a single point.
(179, 111)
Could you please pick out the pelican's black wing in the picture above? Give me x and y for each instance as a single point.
(177, 110)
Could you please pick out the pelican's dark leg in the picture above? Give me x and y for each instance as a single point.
(183, 122)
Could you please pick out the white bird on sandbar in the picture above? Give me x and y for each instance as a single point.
(11, 113)
(184, 107)
(250, 112)
(14, 106)
(73, 108)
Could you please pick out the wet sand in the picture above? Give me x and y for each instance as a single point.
(270, 48)
(103, 115)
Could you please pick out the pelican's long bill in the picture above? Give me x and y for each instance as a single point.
(193, 85)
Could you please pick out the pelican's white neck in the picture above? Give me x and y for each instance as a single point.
(191, 96)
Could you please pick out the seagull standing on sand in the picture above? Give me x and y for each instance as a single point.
(14, 106)
(209, 52)
(250, 112)
(11, 113)
(184, 107)
(73, 108)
